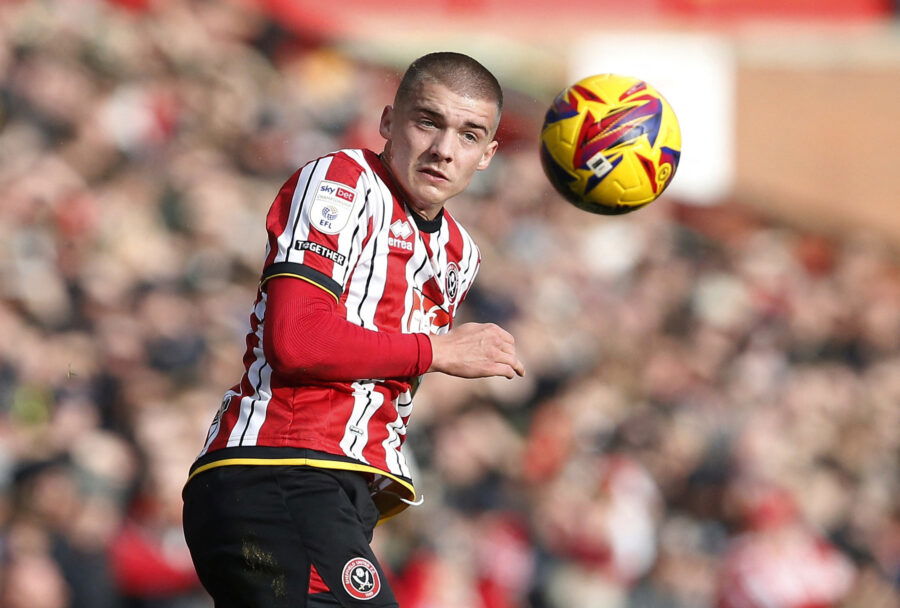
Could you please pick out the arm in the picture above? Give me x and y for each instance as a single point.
(305, 337)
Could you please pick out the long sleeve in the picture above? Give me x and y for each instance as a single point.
(305, 338)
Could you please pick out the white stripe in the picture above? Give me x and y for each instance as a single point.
(350, 240)
(255, 378)
(371, 205)
(405, 403)
(286, 239)
(442, 255)
(381, 202)
(366, 402)
(393, 456)
(416, 260)
(358, 155)
(408, 295)
(438, 242)
(258, 417)
(301, 233)
(379, 276)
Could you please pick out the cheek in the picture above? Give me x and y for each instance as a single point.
(408, 148)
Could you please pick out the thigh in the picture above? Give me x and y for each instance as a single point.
(336, 517)
(244, 543)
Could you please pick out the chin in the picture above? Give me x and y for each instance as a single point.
(431, 196)
(428, 202)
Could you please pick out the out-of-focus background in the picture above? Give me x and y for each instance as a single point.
(711, 415)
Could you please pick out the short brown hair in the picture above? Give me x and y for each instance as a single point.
(460, 73)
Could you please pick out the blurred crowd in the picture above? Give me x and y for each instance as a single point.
(711, 414)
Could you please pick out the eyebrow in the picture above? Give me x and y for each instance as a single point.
(469, 124)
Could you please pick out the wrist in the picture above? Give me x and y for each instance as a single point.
(426, 353)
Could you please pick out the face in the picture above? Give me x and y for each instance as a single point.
(436, 140)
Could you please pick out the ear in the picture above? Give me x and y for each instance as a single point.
(384, 127)
(487, 155)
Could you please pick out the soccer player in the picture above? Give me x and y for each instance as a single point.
(363, 274)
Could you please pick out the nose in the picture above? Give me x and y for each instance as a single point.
(442, 145)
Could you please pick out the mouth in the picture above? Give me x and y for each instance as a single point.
(434, 173)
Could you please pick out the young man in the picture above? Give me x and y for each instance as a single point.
(363, 274)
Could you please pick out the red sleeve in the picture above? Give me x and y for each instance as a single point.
(305, 337)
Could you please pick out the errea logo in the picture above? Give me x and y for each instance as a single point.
(401, 231)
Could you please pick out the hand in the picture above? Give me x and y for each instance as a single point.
(476, 350)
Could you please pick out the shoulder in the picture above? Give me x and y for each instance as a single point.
(455, 226)
(344, 166)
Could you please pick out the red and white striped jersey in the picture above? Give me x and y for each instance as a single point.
(340, 222)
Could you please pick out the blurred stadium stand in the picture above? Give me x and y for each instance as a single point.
(711, 416)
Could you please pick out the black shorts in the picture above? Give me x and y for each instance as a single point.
(255, 532)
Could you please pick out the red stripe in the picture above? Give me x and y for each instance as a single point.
(229, 418)
(279, 215)
(377, 429)
(635, 88)
(455, 243)
(587, 94)
(343, 301)
(389, 310)
(226, 424)
(316, 584)
(647, 164)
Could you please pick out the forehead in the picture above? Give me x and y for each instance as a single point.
(438, 98)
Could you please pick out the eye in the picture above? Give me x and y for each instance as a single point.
(426, 122)
(470, 137)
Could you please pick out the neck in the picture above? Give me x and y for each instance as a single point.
(426, 214)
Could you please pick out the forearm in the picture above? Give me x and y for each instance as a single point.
(306, 338)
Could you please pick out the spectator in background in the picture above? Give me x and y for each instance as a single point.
(779, 561)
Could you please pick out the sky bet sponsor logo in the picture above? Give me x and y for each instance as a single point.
(332, 189)
(325, 252)
(345, 194)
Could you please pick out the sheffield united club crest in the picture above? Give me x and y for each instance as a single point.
(451, 283)
(360, 579)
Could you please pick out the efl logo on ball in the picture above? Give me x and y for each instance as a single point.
(360, 579)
